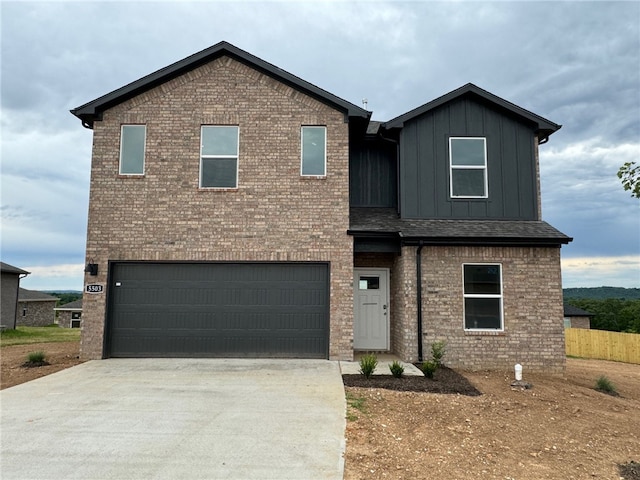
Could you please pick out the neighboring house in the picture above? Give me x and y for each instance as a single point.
(70, 314)
(35, 309)
(10, 283)
(575, 317)
(238, 210)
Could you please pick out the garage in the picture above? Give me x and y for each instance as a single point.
(218, 310)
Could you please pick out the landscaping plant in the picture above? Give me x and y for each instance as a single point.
(437, 352)
(368, 364)
(604, 385)
(36, 357)
(396, 369)
(429, 368)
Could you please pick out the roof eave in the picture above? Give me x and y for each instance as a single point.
(90, 112)
(487, 241)
(544, 127)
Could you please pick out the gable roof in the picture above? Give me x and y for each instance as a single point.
(6, 268)
(75, 305)
(544, 127)
(571, 311)
(365, 222)
(25, 295)
(92, 111)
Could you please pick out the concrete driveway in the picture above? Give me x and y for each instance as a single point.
(175, 419)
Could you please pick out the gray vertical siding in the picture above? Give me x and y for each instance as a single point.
(373, 173)
(424, 164)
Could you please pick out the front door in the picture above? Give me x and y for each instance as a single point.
(371, 309)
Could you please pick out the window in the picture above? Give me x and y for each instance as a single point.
(219, 157)
(482, 297)
(76, 315)
(24, 312)
(468, 162)
(369, 283)
(132, 145)
(314, 158)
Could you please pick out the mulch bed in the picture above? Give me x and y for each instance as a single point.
(630, 471)
(445, 381)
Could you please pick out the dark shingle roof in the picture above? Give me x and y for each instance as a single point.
(6, 268)
(571, 311)
(76, 305)
(25, 295)
(385, 220)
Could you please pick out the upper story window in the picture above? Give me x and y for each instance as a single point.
(468, 163)
(314, 151)
(219, 156)
(132, 147)
(482, 293)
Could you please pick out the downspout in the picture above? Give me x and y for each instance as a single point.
(419, 297)
(15, 317)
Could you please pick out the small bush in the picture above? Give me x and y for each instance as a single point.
(368, 364)
(36, 357)
(438, 349)
(604, 385)
(396, 369)
(429, 368)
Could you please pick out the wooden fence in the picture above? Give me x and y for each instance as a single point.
(621, 347)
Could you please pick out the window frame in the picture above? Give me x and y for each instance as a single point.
(223, 157)
(499, 296)
(324, 166)
(144, 150)
(484, 167)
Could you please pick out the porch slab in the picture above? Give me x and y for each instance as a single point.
(384, 360)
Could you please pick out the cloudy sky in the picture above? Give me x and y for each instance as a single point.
(575, 63)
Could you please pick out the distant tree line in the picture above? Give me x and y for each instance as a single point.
(613, 314)
(66, 297)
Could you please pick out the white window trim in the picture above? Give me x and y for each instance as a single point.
(469, 167)
(236, 156)
(302, 151)
(482, 295)
(144, 150)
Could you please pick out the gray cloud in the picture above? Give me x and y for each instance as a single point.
(576, 63)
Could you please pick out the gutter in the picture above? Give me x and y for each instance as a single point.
(419, 298)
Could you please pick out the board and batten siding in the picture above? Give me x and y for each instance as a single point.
(373, 178)
(424, 164)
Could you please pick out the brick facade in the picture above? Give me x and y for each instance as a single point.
(273, 215)
(36, 313)
(532, 300)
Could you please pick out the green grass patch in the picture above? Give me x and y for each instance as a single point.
(355, 404)
(27, 335)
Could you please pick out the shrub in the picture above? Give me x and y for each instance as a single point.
(438, 349)
(603, 384)
(36, 357)
(429, 368)
(368, 364)
(396, 369)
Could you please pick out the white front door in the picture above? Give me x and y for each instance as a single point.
(371, 309)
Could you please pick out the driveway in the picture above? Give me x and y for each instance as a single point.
(177, 418)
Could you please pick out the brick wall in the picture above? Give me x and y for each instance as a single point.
(532, 301)
(273, 215)
(580, 322)
(38, 314)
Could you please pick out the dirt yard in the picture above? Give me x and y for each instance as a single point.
(59, 355)
(559, 429)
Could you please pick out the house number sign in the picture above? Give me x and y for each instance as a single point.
(94, 288)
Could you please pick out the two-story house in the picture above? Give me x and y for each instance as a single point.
(238, 210)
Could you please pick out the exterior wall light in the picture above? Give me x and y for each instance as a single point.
(91, 268)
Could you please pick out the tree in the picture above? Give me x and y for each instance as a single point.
(629, 174)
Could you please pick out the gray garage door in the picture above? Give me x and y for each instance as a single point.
(218, 310)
